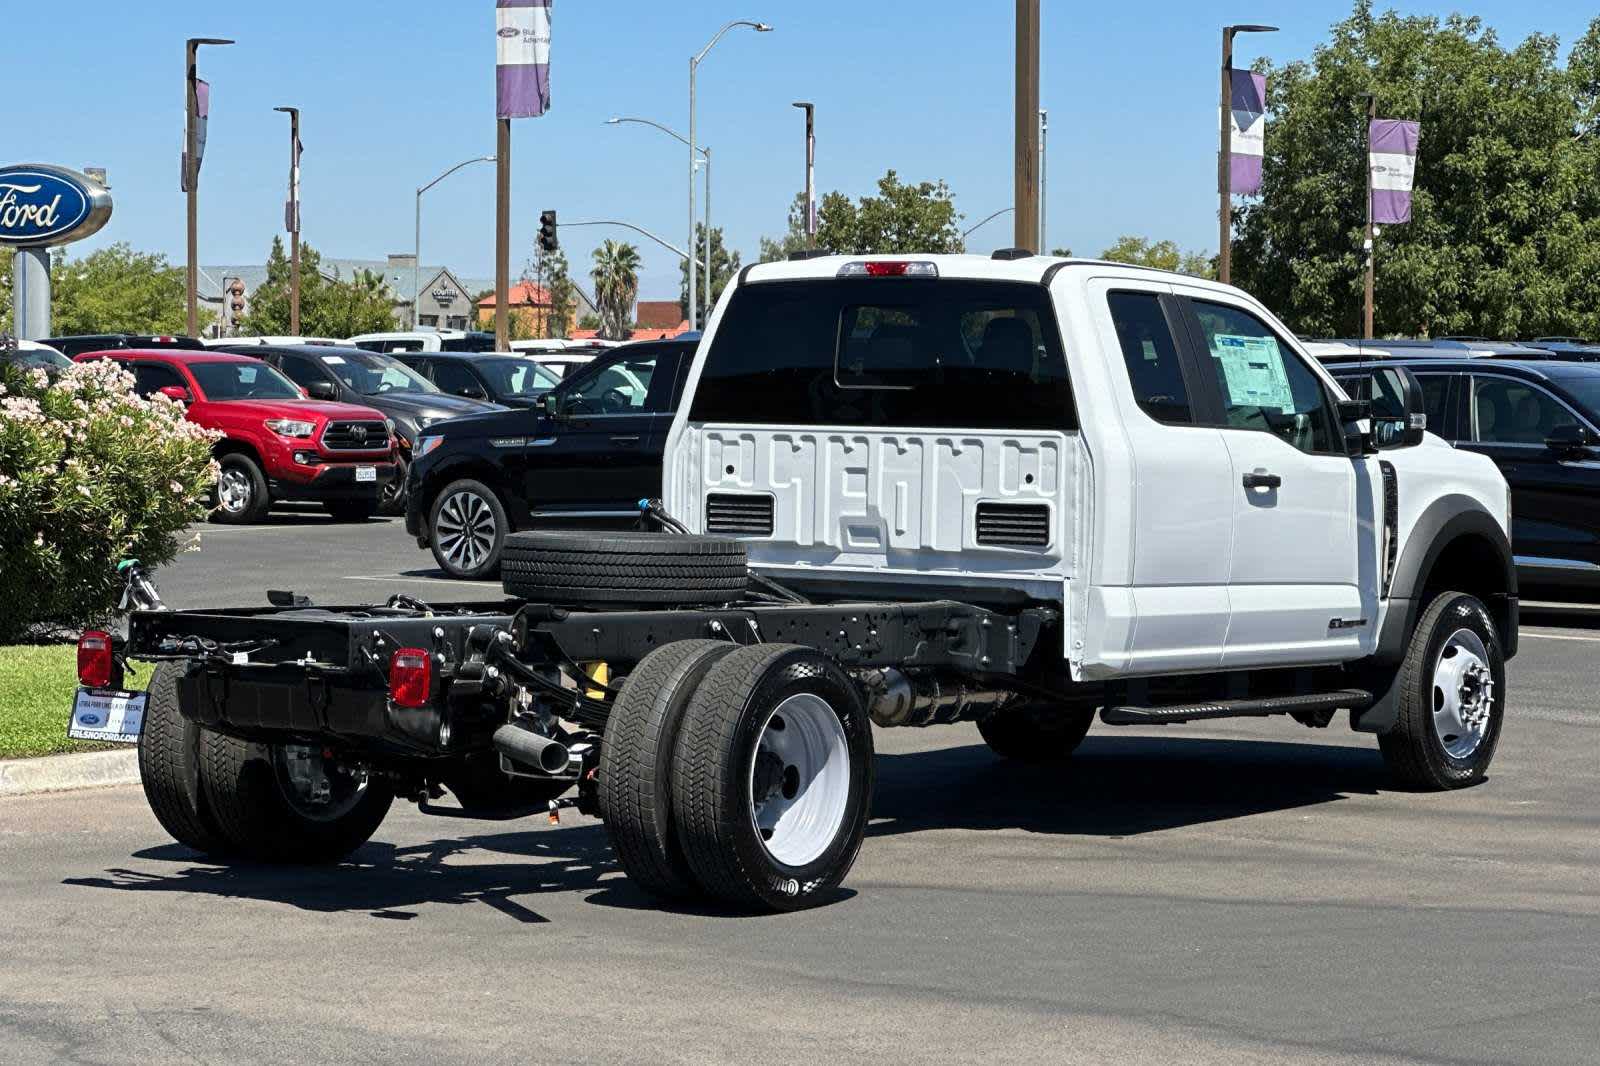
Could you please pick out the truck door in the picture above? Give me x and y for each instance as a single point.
(1293, 589)
(1158, 598)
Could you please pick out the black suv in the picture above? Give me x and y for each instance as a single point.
(1540, 423)
(581, 458)
(510, 380)
(72, 347)
(355, 375)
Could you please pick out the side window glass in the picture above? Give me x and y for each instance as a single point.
(1151, 355)
(149, 379)
(457, 380)
(1510, 412)
(618, 388)
(302, 372)
(1435, 397)
(1264, 384)
(662, 379)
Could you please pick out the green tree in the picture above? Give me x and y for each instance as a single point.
(6, 255)
(900, 219)
(616, 287)
(116, 290)
(557, 275)
(1162, 255)
(724, 265)
(776, 249)
(330, 306)
(1505, 231)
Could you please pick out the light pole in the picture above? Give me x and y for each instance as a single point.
(1368, 284)
(191, 166)
(811, 170)
(694, 65)
(1044, 159)
(1225, 156)
(668, 245)
(705, 152)
(291, 218)
(416, 251)
(986, 220)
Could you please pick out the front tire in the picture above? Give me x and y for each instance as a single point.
(1451, 697)
(288, 804)
(772, 777)
(169, 767)
(242, 496)
(1035, 734)
(467, 529)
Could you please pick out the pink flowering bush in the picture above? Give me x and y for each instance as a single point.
(90, 474)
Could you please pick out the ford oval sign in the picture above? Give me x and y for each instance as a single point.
(46, 205)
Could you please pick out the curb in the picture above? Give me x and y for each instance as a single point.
(65, 773)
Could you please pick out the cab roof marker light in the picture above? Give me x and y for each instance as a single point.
(888, 268)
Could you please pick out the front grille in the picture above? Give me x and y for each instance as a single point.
(356, 436)
(1014, 525)
(739, 515)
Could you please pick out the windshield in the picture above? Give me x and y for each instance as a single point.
(516, 377)
(39, 357)
(1585, 390)
(372, 374)
(243, 381)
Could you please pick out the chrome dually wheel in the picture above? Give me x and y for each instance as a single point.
(1463, 693)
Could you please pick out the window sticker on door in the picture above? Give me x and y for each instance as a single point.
(1252, 369)
(333, 360)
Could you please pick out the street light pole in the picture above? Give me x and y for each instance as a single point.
(986, 220)
(416, 251)
(1044, 161)
(668, 245)
(291, 217)
(1371, 244)
(811, 171)
(694, 65)
(1225, 155)
(191, 168)
(705, 154)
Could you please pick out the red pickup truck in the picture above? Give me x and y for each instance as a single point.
(278, 444)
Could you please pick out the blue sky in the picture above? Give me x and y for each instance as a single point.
(395, 92)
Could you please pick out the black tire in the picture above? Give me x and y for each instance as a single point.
(479, 785)
(351, 510)
(392, 497)
(715, 768)
(636, 765)
(169, 767)
(1414, 749)
(476, 529)
(253, 811)
(584, 568)
(253, 500)
(1035, 733)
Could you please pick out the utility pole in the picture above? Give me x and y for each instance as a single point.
(1044, 163)
(1027, 117)
(191, 170)
(1372, 231)
(1225, 155)
(811, 171)
(291, 217)
(502, 233)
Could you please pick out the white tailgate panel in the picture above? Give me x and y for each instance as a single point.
(903, 501)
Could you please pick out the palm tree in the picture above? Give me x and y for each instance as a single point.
(616, 286)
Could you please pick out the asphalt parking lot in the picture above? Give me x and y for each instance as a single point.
(1250, 892)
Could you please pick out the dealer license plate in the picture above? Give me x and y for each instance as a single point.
(366, 473)
(107, 715)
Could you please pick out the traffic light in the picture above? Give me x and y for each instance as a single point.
(548, 241)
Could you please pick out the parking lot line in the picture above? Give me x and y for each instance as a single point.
(1560, 636)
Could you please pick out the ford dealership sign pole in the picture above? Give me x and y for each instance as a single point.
(42, 207)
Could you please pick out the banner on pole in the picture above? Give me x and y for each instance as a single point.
(522, 58)
(1392, 156)
(1248, 113)
(202, 112)
(291, 207)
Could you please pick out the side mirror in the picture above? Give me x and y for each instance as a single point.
(1570, 439)
(1399, 409)
(548, 403)
(1355, 422)
(177, 392)
(322, 390)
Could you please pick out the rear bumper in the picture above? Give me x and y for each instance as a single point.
(333, 481)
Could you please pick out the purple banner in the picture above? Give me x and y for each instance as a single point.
(1247, 138)
(1392, 162)
(202, 111)
(522, 58)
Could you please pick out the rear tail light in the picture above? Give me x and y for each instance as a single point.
(888, 268)
(411, 677)
(94, 659)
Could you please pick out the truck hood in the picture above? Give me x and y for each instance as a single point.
(499, 423)
(303, 409)
(409, 407)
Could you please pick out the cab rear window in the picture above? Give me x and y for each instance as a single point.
(888, 352)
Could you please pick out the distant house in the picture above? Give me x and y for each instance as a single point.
(530, 306)
(660, 315)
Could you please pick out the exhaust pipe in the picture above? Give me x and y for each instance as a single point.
(898, 699)
(531, 749)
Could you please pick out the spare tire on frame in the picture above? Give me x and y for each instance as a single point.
(581, 569)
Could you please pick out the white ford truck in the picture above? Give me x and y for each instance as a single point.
(905, 490)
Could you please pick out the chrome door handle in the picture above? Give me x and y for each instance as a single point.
(625, 440)
(1260, 480)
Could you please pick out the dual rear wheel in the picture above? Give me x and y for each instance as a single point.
(739, 774)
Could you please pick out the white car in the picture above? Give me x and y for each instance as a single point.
(424, 340)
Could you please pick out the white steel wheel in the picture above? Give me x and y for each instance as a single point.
(799, 779)
(466, 530)
(1463, 694)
